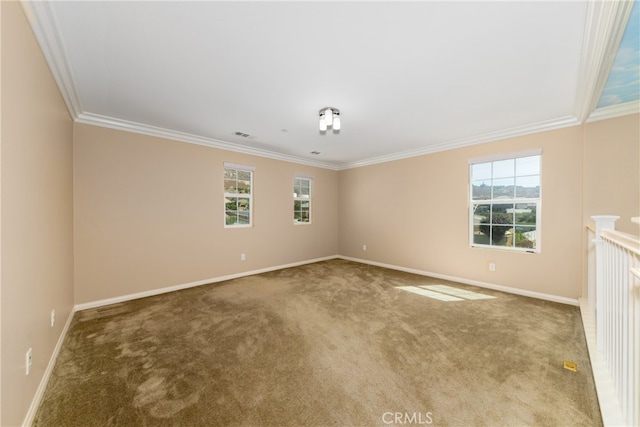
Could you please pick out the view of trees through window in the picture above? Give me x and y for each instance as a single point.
(237, 196)
(505, 201)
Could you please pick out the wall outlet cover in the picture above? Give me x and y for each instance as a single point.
(28, 360)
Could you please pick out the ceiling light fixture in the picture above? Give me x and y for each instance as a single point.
(329, 118)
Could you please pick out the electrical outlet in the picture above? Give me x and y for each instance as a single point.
(242, 257)
(364, 247)
(53, 317)
(492, 266)
(28, 358)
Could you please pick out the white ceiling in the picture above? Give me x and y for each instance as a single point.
(408, 77)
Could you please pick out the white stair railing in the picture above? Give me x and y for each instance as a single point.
(616, 305)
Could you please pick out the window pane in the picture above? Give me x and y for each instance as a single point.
(503, 188)
(243, 218)
(480, 236)
(301, 210)
(528, 166)
(301, 188)
(244, 175)
(230, 186)
(231, 204)
(244, 187)
(525, 237)
(502, 214)
(243, 204)
(230, 217)
(501, 235)
(481, 214)
(528, 187)
(525, 214)
(481, 190)
(230, 174)
(481, 224)
(504, 168)
(481, 171)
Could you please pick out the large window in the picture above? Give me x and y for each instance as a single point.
(505, 202)
(238, 199)
(301, 200)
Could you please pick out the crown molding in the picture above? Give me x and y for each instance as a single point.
(44, 25)
(614, 111)
(528, 129)
(124, 125)
(604, 27)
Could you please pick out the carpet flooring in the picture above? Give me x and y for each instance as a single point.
(331, 343)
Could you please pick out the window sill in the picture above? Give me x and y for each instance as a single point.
(508, 249)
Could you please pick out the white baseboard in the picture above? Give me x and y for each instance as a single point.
(507, 289)
(37, 398)
(607, 398)
(152, 292)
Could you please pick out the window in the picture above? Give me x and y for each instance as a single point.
(505, 202)
(238, 198)
(302, 200)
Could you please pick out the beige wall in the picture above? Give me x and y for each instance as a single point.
(612, 170)
(413, 213)
(149, 214)
(37, 213)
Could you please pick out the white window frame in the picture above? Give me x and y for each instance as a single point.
(238, 168)
(300, 198)
(473, 204)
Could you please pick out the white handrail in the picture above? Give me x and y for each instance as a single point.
(625, 240)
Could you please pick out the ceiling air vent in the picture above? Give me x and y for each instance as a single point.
(242, 134)
(317, 153)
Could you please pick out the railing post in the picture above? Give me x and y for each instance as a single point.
(602, 222)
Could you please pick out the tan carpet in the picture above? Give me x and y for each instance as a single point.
(331, 343)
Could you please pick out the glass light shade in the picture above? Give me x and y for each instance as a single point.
(323, 124)
(328, 116)
(336, 123)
